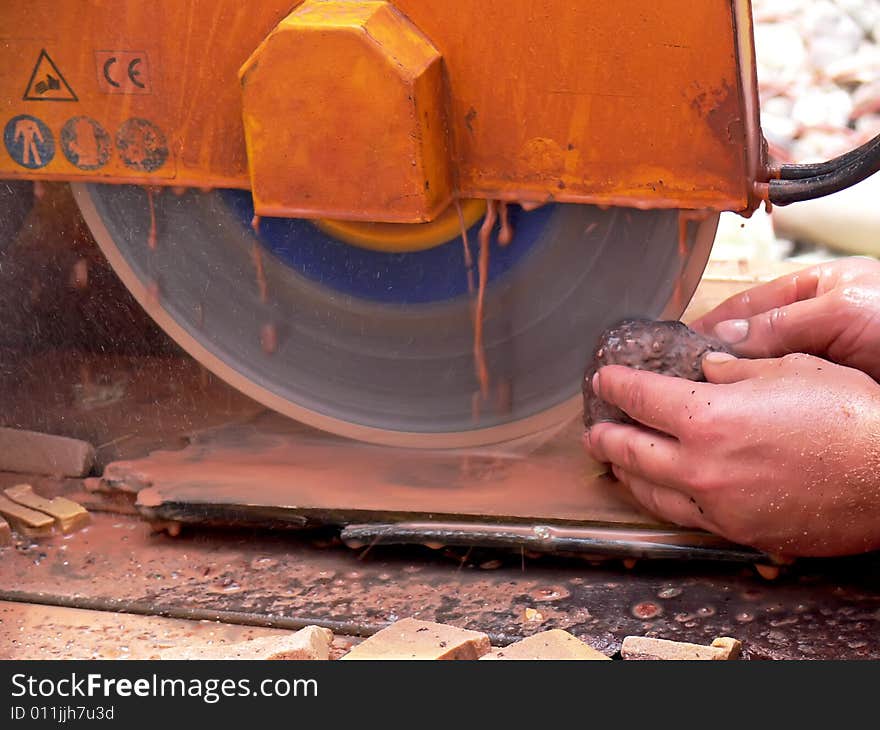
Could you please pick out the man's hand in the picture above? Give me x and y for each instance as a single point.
(831, 310)
(781, 454)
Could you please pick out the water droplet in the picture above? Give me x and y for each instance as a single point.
(549, 593)
(669, 593)
(646, 610)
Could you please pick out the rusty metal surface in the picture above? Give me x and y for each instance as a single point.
(827, 609)
(617, 103)
(363, 127)
(568, 540)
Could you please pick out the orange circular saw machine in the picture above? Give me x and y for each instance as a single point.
(387, 110)
(292, 193)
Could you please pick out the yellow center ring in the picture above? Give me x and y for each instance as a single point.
(406, 237)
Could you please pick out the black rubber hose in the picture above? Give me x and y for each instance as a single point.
(855, 169)
(813, 169)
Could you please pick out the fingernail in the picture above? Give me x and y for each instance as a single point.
(718, 357)
(586, 439)
(594, 383)
(732, 330)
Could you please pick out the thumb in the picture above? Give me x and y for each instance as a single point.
(721, 368)
(810, 325)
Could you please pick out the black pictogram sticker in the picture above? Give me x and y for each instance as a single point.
(47, 82)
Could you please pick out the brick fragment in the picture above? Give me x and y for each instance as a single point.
(312, 642)
(645, 648)
(553, 644)
(731, 647)
(410, 638)
(25, 521)
(30, 452)
(68, 515)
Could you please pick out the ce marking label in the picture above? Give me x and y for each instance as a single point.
(123, 72)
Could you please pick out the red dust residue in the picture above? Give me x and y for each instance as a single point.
(257, 256)
(246, 464)
(495, 210)
(269, 338)
(468, 258)
(647, 610)
(152, 238)
(153, 292)
(684, 218)
(505, 235)
(485, 239)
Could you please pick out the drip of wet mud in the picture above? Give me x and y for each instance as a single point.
(262, 286)
(152, 236)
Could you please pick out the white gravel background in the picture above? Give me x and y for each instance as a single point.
(819, 82)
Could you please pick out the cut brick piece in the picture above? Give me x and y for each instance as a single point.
(26, 521)
(68, 515)
(553, 644)
(5, 533)
(312, 642)
(410, 638)
(29, 452)
(645, 648)
(731, 647)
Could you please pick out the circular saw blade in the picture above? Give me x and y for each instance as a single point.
(388, 363)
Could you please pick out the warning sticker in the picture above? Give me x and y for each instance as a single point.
(123, 72)
(29, 141)
(85, 143)
(47, 83)
(141, 145)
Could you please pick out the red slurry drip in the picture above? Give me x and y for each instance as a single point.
(482, 369)
(683, 220)
(39, 189)
(495, 209)
(257, 256)
(152, 238)
(153, 292)
(255, 224)
(468, 258)
(269, 338)
(685, 217)
(475, 408)
(504, 396)
(678, 295)
(505, 235)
